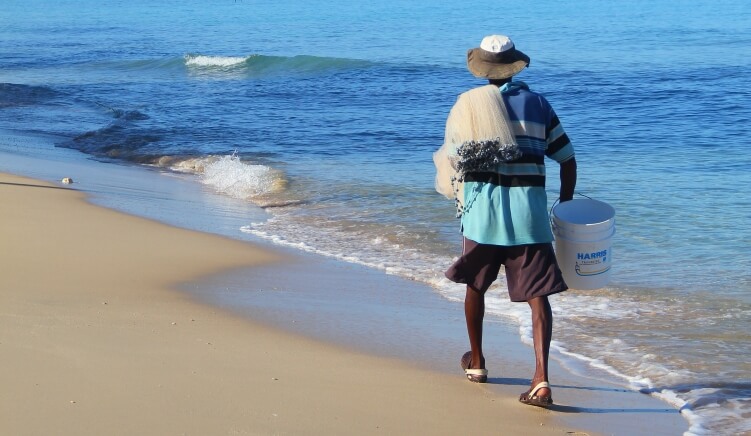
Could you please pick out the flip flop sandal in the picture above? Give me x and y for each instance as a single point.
(473, 375)
(532, 399)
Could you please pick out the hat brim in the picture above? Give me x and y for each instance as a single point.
(482, 67)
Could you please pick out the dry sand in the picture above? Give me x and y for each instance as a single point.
(94, 339)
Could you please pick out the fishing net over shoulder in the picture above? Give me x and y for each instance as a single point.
(478, 138)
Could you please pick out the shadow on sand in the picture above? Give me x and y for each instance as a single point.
(29, 185)
(564, 408)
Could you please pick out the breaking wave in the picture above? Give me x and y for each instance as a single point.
(230, 175)
(214, 61)
(261, 65)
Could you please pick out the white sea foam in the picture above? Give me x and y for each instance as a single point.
(230, 176)
(214, 61)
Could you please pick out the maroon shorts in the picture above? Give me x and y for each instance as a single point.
(531, 270)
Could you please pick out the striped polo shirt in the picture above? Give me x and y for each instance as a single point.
(509, 206)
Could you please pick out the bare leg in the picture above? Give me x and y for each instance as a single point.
(542, 333)
(474, 312)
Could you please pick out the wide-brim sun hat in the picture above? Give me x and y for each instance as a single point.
(496, 58)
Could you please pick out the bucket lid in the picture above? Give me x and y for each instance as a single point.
(583, 211)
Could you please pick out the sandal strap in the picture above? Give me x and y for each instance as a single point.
(537, 387)
(478, 371)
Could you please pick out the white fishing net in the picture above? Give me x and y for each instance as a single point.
(478, 138)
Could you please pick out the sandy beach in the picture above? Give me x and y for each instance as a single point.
(94, 339)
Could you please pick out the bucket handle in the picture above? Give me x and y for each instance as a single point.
(558, 200)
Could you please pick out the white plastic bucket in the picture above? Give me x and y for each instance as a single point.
(583, 230)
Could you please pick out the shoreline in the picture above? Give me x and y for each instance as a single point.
(582, 402)
(95, 339)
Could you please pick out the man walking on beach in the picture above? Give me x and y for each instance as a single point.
(492, 163)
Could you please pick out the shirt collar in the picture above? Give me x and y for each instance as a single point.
(513, 86)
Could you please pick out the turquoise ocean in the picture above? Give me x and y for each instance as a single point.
(322, 117)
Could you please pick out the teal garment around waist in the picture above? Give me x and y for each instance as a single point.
(507, 216)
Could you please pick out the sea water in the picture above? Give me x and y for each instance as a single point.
(325, 114)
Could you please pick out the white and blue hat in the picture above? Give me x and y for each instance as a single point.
(496, 58)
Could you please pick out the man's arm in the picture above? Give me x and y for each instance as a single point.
(568, 179)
